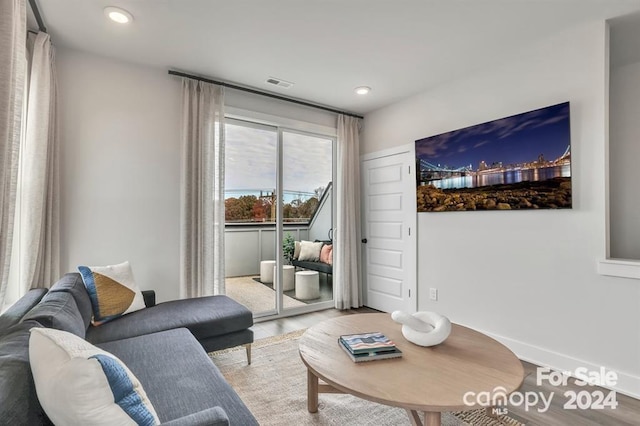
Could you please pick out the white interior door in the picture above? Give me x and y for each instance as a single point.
(389, 237)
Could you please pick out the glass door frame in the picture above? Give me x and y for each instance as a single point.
(284, 125)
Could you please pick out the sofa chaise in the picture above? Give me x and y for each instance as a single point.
(164, 345)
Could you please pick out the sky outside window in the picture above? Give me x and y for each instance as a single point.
(251, 162)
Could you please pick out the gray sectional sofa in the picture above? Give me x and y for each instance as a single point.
(164, 345)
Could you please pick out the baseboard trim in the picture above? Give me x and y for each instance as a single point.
(627, 384)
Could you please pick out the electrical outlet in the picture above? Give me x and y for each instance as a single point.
(433, 294)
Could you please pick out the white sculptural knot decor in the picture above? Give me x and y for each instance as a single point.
(423, 328)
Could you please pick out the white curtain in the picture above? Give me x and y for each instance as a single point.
(348, 287)
(202, 215)
(13, 33)
(35, 255)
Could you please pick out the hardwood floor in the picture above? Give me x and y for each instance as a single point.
(627, 412)
(286, 325)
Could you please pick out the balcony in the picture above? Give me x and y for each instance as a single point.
(249, 243)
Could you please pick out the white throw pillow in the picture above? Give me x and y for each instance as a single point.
(112, 290)
(296, 250)
(310, 251)
(80, 384)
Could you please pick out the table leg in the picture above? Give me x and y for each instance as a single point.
(432, 418)
(312, 392)
(414, 418)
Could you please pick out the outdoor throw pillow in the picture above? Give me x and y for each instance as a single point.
(296, 250)
(326, 254)
(310, 251)
(112, 290)
(80, 384)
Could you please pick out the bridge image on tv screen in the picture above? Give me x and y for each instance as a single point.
(518, 162)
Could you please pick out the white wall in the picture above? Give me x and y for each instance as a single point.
(624, 154)
(528, 277)
(120, 168)
(120, 164)
(273, 107)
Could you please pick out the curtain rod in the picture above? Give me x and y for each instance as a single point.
(261, 93)
(36, 13)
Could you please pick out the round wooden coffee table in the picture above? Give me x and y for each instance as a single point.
(431, 380)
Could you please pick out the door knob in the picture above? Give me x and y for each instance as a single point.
(364, 241)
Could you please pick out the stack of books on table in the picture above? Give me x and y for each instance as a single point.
(368, 346)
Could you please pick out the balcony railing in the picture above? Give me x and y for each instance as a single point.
(246, 245)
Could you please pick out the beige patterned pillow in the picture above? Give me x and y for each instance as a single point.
(112, 290)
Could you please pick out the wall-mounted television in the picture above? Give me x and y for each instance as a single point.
(521, 162)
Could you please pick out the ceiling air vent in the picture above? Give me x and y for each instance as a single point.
(280, 83)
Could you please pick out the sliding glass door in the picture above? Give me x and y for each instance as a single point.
(251, 157)
(278, 194)
(307, 170)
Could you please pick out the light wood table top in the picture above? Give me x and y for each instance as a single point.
(429, 379)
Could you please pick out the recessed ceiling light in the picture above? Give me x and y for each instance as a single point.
(118, 15)
(362, 90)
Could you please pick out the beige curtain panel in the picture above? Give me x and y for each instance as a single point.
(36, 232)
(347, 246)
(202, 215)
(13, 31)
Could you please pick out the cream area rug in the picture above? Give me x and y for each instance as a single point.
(255, 296)
(274, 387)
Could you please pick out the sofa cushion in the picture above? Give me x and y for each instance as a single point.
(214, 416)
(72, 283)
(78, 383)
(178, 376)
(14, 314)
(112, 290)
(19, 403)
(204, 316)
(310, 251)
(58, 310)
(326, 254)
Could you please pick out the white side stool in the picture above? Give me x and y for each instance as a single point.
(307, 285)
(266, 271)
(287, 272)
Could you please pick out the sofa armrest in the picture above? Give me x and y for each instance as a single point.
(149, 298)
(215, 416)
